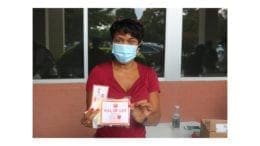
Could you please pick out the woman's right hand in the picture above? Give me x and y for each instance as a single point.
(88, 117)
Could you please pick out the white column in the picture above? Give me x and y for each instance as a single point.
(173, 43)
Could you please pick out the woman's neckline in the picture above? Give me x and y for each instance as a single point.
(134, 84)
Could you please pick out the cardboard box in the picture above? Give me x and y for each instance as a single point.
(213, 128)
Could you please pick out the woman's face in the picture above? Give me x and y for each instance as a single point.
(124, 38)
(125, 47)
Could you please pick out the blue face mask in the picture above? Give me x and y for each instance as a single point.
(124, 53)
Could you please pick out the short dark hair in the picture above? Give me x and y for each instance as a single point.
(131, 26)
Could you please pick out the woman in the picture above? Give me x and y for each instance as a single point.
(126, 77)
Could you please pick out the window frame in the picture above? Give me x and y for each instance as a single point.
(173, 40)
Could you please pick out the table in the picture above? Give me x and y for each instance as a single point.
(165, 130)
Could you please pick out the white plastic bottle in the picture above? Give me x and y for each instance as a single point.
(176, 117)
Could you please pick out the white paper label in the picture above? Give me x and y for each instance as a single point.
(99, 93)
(221, 128)
(115, 112)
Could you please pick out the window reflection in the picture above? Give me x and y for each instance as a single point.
(204, 44)
(152, 49)
(58, 40)
(57, 43)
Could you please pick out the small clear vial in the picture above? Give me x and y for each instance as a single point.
(176, 117)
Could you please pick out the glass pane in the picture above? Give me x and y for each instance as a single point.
(58, 43)
(204, 42)
(152, 49)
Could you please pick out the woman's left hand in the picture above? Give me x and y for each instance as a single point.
(141, 110)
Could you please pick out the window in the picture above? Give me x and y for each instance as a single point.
(195, 44)
(204, 43)
(152, 49)
(58, 43)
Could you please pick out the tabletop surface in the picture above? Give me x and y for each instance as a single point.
(165, 130)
